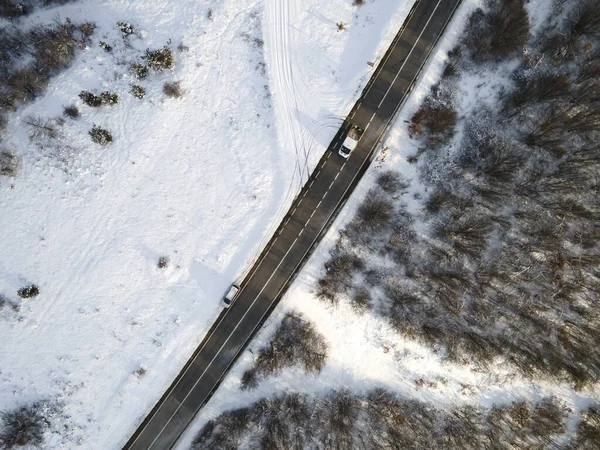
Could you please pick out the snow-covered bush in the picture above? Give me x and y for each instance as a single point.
(29, 291)
(138, 91)
(109, 98)
(100, 135)
(159, 60)
(140, 71)
(106, 46)
(126, 28)
(163, 262)
(172, 89)
(90, 99)
(392, 182)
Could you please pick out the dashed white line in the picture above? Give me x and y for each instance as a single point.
(409, 53)
(370, 120)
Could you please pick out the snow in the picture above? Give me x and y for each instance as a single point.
(364, 351)
(202, 180)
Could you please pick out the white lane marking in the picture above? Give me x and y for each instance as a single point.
(370, 120)
(336, 175)
(381, 66)
(409, 53)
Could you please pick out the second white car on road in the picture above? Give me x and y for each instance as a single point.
(351, 141)
(231, 295)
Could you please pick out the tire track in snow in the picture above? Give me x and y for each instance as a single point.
(281, 73)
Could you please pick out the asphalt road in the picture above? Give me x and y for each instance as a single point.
(321, 198)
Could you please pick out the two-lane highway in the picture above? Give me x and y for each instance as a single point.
(319, 201)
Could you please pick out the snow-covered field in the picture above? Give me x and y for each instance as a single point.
(364, 350)
(202, 180)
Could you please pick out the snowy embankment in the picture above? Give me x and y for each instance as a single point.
(201, 180)
(365, 352)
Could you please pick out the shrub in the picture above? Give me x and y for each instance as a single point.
(107, 47)
(24, 425)
(163, 262)
(109, 98)
(172, 90)
(9, 164)
(29, 291)
(436, 123)
(159, 60)
(86, 29)
(126, 28)
(340, 268)
(138, 91)
(296, 342)
(25, 84)
(249, 379)
(392, 182)
(374, 212)
(41, 128)
(100, 135)
(358, 2)
(90, 99)
(54, 47)
(71, 111)
(140, 71)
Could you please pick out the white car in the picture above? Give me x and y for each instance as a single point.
(231, 295)
(351, 141)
